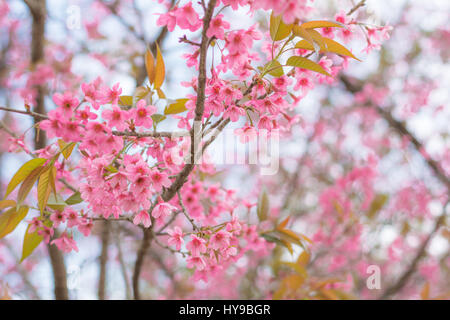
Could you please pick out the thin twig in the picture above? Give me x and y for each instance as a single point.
(357, 6)
(183, 208)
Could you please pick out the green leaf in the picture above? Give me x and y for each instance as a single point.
(278, 29)
(274, 68)
(56, 202)
(263, 206)
(304, 63)
(74, 199)
(30, 242)
(23, 172)
(178, 106)
(11, 219)
(157, 118)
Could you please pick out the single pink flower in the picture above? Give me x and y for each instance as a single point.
(175, 237)
(196, 246)
(144, 218)
(163, 209)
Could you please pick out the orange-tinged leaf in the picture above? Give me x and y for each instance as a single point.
(44, 187)
(126, 101)
(278, 29)
(425, 293)
(274, 68)
(11, 219)
(66, 148)
(317, 38)
(330, 46)
(321, 24)
(279, 294)
(161, 93)
(263, 206)
(30, 242)
(329, 294)
(294, 282)
(160, 71)
(178, 106)
(297, 268)
(22, 173)
(377, 204)
(287, 245)
(150, 65)
(304, 63)
(306, 238)
(303, 259)
(303, 44)
(6, 204)
(141, 93)
(283, 223)
(291, 236)
(28, 184)
(303, 33)
(335, 47)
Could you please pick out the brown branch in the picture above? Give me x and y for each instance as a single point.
(147, 134)
(353, 85)
(123, 267)
(38, 10)
(357, 6)
(421, 253)
(199, 107)
(183, 209)
(145, 245)
(105, 237)
(26, 112)
(182, 176)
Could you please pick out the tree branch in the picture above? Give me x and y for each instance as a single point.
(38, 10)
(421, 253)
(182, 176)
(354, 86)
(105, 237)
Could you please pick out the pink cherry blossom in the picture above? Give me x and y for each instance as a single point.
(142, 217)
